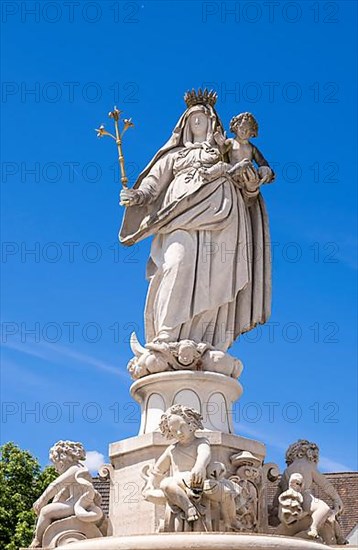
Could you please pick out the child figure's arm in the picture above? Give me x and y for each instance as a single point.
(266, 173)
(222, 142)
(61, 482)
(162, 466)
(328, 488)
(154, 475)
(203, 458)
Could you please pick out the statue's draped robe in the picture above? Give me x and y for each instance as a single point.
(210, 263)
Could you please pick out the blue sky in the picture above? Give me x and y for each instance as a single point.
(81, 294)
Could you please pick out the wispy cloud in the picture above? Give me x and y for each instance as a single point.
(18, 372)
(57, 354)
(243, 429)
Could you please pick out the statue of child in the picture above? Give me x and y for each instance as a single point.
(182, 470)
(242, 153)
(72, 492)
(301, 472)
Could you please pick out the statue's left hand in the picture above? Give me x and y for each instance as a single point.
(218, 170)
(203, 174)
(265, 173)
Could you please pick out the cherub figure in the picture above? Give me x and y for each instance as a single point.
(242, 153)
(297, 502)
(182, 470)
(186, 354)
(296, 485)
(72, 492)
(204, 357)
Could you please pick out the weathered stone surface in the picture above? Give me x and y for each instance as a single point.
(198, 541)
(70, 507)
(129, 513)
(301, 514)
(346, 484)
(210, 393)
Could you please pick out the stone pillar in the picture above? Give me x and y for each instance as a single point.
(210, 393)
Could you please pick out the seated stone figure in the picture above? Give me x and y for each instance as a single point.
(73, 497)
(295, 503)
(183, 477)
(300, 513)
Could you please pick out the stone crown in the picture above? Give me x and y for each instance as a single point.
(201, 97)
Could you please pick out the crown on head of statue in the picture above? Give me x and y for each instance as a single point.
(201, 97)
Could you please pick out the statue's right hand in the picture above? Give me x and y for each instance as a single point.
(129, 197)
(37, 505)
(338, 506)
(219, 138)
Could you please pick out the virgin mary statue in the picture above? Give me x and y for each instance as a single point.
(209, 269)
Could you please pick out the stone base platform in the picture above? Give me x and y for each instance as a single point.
(197, 541)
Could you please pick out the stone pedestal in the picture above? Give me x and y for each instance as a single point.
(210, 393)
(129, 513)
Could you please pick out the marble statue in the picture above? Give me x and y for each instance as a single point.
(187, 481)
(73, 499)
(183, 355)
(299, 511)
(210, 267)
(241, 154)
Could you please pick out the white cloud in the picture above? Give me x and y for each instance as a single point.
(94, 460)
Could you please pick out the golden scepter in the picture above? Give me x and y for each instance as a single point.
(115, 114)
